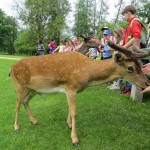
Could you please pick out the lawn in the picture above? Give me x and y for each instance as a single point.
(105, 120)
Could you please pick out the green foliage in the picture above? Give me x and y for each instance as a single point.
(105, 120)
(26, 42)
(46, 18)
(43, 19)
(89, 15)
(143, 10)
(112, 26)
(8, 33)
(82, 18)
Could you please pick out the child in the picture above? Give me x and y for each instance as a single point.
(118, 33)
(107, 51)
(60, 48)
(52, 46)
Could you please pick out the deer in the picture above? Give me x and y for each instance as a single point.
(72, 72)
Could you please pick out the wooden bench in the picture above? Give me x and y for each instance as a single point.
(135, 91)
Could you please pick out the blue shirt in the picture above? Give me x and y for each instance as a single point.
(107, 52)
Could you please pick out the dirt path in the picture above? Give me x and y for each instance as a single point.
(10, 58)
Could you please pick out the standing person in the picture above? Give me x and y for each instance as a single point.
(76, 43)
(69, 46)
(131, 33)
(40, 48)
(60, 48)
(118, 34)
(93, 52)
(134, 32)
(52, 46)
(107, 51)
(103, 40)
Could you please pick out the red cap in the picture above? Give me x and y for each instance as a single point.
(75, 41)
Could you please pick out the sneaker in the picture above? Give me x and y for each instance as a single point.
(114, 83)
(115, 87)
(126, 91)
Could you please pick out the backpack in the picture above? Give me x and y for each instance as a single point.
(144, 34)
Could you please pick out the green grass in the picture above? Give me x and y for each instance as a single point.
(105, 120)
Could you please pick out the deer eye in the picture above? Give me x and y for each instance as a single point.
(130, 69)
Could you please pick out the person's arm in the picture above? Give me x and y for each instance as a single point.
(146, 90)
(146, 68)
(129, 43)
(135, 33)
(102, 42)
(57, 49)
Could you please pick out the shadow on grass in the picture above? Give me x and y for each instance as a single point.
(146, 97)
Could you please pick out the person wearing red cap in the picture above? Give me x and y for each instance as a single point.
(76, 43)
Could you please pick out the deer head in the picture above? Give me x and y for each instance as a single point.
(129, 61)
(88, 43)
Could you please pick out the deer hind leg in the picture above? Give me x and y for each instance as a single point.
(27, 108)
(21, 96)
(72, 110)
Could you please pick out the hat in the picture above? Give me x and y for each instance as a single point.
(104, 28)
(75, 41)
(107, 32)
(91, 33)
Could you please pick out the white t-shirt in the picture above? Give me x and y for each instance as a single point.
(61, 48)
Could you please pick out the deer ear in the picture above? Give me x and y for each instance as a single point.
(118, 58)
(83, 36)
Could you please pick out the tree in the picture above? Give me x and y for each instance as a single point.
(120, 5)
(143, 10)
(82, 23)
(45, 18)
(8, 32)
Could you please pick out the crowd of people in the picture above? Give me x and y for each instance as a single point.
(122, 37)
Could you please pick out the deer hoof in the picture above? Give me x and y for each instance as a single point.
(16, 128)
(34, 122)
(69, 126)
(76, 144)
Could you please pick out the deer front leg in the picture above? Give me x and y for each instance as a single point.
(69, 121)
(18, 104)
(72, 109)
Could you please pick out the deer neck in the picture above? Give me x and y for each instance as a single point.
(103, 71)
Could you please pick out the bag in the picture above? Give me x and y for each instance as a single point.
(144, 34)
